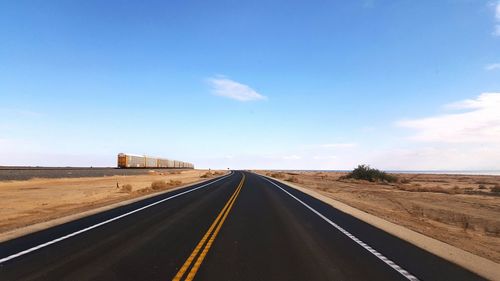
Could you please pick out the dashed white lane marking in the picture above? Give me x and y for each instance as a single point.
(390, 263)
(13, 256)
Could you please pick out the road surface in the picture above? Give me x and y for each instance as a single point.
(238, 227)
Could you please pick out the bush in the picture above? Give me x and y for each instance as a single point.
(207, 175)
(293, 179)
(158, 185)
(496, 188)
(277, 175)
(126, 188)
(364, 172)
(405, 180)
(174, 182)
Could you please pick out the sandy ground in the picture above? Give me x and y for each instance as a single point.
(462, 211)
(28, 202)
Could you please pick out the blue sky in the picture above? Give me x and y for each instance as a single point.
(252, 84)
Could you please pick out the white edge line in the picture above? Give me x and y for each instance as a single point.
(390, 263)
(13, 256)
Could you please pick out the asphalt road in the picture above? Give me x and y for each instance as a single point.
(239, 227)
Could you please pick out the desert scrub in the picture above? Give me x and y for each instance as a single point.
(435, 189)
(207, 175)
(156, 185)
(174, 182)
(293, 179)
(126, 188)
(405, 180)
(364, 172)
(277, 175)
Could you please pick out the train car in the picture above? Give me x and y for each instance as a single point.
(150, 162)
(126, 160)
(162, 163)
(131, 161)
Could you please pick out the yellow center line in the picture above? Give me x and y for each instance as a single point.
(209, 234)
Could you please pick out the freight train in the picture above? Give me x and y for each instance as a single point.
(142, 161)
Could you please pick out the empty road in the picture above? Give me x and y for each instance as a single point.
(238, 227)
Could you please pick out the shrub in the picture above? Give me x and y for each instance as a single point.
(293, 179)
(174, 182)
(405, 180)
(207, 175)
(126, 188)
(481, 186)
(277, 175)
(364, 172)
(496, 188)
(158, 185)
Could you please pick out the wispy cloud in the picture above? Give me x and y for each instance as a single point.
(497, 11)
(477, 122)
(224, 87)
(496, 31)
(493, 66)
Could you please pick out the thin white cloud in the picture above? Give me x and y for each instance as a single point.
(496, 31)
(224, 87)
(478, 122)
(338, 145)
(493, 66)
(497, 11)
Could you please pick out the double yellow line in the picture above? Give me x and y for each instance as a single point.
(210, 235)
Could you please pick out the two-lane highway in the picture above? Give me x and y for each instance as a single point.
(237, 227)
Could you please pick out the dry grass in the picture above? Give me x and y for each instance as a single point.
(210, 174)
(277, 175)
(126, 188)
(436, 189)
(293, 179)
(161, 184)
(174, 182)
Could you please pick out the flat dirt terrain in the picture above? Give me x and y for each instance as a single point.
(26, 202)
(461, 210)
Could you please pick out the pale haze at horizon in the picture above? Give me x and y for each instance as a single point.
(399, 85)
